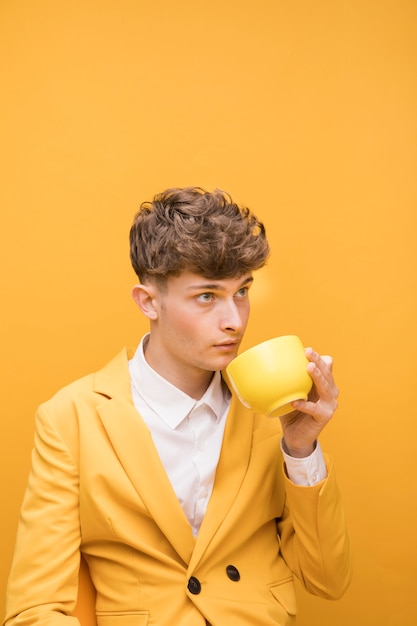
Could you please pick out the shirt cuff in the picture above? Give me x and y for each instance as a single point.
(307, 471)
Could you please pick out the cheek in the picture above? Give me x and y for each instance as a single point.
(178, 324)
(192, 332)
(244, 313)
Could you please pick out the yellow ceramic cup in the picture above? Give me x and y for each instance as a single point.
(271, 375)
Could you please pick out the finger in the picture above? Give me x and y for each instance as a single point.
(311, 408)
(324, 361)
(321, 412)
(328, 360)
(319, 379)
(323, 381)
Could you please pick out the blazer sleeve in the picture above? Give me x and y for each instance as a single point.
(314, 540)
(43, 581)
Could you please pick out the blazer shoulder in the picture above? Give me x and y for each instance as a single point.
(73, 410)
(90, 390)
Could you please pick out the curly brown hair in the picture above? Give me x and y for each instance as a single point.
(194, 230)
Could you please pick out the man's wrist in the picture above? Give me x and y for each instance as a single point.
(307, 471)
(299, 453)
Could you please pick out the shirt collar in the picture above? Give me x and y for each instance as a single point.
(167, 401)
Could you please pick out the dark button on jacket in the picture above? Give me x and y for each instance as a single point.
(233, 573)
(194, 585)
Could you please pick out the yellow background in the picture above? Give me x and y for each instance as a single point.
(303, 110)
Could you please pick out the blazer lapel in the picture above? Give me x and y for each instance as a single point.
(133, 445)
(231, 470)
(135, 449)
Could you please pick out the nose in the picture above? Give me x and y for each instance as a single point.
(231, 320)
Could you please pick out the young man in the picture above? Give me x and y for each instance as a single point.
(188, 508)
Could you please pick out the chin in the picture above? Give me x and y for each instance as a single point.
(223, 363)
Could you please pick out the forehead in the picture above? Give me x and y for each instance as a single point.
(189, 282)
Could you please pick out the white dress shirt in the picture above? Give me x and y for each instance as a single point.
(188, 435)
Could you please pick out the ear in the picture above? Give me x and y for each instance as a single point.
(145, 297)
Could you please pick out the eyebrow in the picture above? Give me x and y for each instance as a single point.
(219, 286)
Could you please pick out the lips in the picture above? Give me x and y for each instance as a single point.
(226, 344)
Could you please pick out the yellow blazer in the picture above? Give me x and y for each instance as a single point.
(97, 487)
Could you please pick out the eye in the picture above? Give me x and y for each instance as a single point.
(242, 293)
(205, 297)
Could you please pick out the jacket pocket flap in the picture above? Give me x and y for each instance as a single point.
(285, 594)
(134, 618)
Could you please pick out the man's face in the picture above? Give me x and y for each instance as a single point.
(199, 322)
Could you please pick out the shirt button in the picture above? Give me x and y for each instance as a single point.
(194, 585)
(233, 573)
